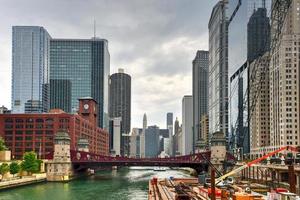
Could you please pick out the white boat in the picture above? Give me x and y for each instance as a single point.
(160, 169)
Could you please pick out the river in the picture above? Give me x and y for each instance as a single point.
(121, 184)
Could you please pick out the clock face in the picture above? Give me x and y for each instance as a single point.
(86, 106)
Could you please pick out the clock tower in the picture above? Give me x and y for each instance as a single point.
(88, 109)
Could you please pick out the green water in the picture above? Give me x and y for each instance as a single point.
(122, 184)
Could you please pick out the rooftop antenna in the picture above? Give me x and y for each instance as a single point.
(94, 29)
(264, 3)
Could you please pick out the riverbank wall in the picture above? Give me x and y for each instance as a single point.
(28, 180)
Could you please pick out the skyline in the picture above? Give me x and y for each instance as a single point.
(158, 78)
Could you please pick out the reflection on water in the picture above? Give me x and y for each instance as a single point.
(121, 184)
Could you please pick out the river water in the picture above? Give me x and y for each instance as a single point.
(121, 184)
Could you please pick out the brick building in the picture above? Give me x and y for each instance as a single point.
(35, 132)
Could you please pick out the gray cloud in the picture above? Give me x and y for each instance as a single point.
(154, 40)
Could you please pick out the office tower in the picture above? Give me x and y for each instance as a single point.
(82, 65)
(259, 105)
(115, 136)
(258, 37)
(175, 136)
(285, 81)
(135, 142)
(187, 125)
(200, 92)
(152, 142)
(142, 138)
(120, 98)
(218, 69)
(30, 69)
(170, 128)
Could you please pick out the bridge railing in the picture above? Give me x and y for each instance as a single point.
(80, 156)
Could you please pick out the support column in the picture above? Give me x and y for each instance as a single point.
(292, 179)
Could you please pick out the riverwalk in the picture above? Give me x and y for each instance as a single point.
(27, 180)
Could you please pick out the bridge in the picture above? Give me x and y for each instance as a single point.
(65, 162)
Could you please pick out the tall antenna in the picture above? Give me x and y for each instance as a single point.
(264, 3)
(94, 28)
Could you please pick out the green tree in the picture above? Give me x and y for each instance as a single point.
(14, 168)
(4, 168)
(2, 145)
(30, 162)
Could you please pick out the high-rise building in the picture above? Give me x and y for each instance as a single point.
(285, 81)
(120, 98)
(205, 130)
(170, 128)
(218, 69)
(152, 142)
(175, 136)
(200, 92)
(187, 125)
(115, 136)
(80, 67)
(259, 102)
(30, 69)
(135, 142)
(258, 37)
(142, 137)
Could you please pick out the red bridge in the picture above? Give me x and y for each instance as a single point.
(199, 161)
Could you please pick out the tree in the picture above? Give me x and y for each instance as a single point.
(14, 168)
(4, 168)
(30, 162)
(2, 145)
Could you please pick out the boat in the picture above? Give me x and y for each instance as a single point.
(160, 169)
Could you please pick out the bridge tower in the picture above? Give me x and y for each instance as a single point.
(60, 168)
(218, 149)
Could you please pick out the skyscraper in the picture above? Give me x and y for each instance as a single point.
(120, 98)
(218, 69)
(258, 37)
(30, 69)
(142, 137)
(170, 128)
(200, 92)
(80, 68)
(285, 81)
(187, 125)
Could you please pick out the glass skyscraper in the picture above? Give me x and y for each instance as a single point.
(218, 69)
(80, 68)
(30, 69)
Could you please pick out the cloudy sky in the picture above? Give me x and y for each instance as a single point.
(155, 42)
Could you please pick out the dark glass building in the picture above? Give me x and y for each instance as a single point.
(258, 36)
(120, 99)
(200, 93)
(79, 68)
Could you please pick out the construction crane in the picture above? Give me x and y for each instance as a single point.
(249, 164)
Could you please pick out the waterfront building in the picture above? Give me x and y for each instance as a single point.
(200, 93)
(78, 68)
(218, 69)
(142, 137)
(175, 136)
(285, 81)
(120, 98)
(259, 98)
(115, 136)
(187, 125)
(170, 136)
(135, 142)
(120, 103)
(152, 142)
(30, 69)
(35, 131)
